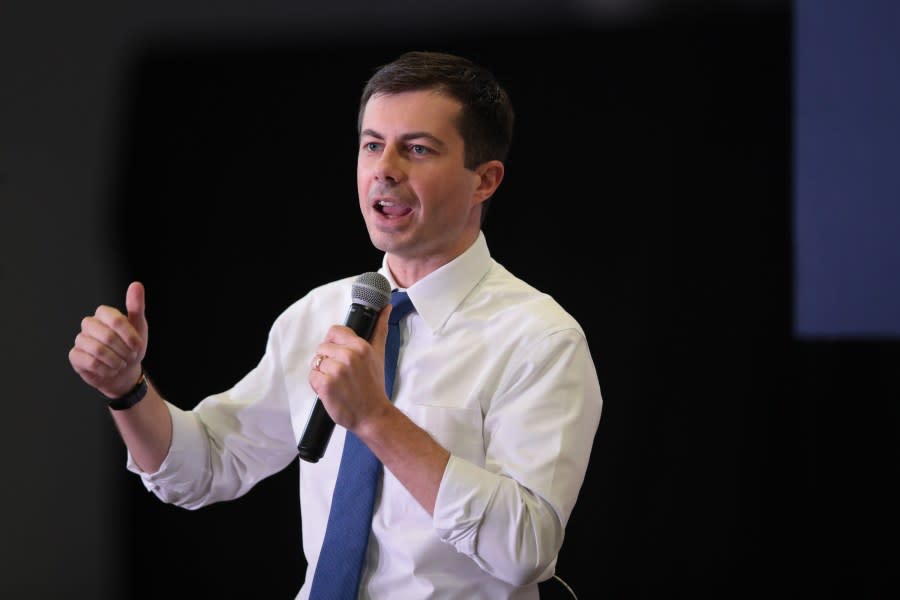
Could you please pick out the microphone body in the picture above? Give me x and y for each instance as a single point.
(371, 293)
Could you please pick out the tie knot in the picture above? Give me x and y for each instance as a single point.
(402, 306)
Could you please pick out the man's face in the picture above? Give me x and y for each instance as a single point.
(419, 202)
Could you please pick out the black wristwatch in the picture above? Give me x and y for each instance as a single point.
(136, 394)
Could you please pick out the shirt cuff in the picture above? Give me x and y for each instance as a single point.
(176, 475)
(465, 493)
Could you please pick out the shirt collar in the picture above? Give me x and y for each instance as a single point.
(438, 295)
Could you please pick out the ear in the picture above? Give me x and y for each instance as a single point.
(489, 175)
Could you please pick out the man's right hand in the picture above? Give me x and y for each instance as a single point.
(110, 346)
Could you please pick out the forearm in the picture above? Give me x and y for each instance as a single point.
(408, 452)
(146, 429)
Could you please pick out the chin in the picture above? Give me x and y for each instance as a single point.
(382, 240)
(384, 237)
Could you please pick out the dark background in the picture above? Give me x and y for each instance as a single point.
(649, 190)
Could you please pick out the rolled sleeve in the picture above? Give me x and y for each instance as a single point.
(180, 475)
(508, 531)
(463, 498)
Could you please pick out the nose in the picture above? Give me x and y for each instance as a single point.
(389, 166)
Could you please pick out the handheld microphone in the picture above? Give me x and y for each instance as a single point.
(371, 293)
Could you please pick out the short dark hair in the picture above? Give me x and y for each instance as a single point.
(486, 120)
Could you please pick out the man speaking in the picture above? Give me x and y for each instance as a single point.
(463, 422)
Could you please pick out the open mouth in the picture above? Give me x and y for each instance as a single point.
(392, 209)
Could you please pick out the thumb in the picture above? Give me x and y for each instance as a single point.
(135, 304)
(379, 335)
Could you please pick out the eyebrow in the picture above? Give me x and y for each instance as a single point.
(412, 135)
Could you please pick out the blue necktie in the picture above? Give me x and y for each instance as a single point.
(350, 520)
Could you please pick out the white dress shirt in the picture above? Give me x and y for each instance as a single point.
(495, 370)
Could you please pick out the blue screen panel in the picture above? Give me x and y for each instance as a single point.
(847, 168)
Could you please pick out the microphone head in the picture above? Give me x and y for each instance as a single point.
(372, 289)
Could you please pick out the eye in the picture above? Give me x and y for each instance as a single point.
(371, 146)
(419, 149)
